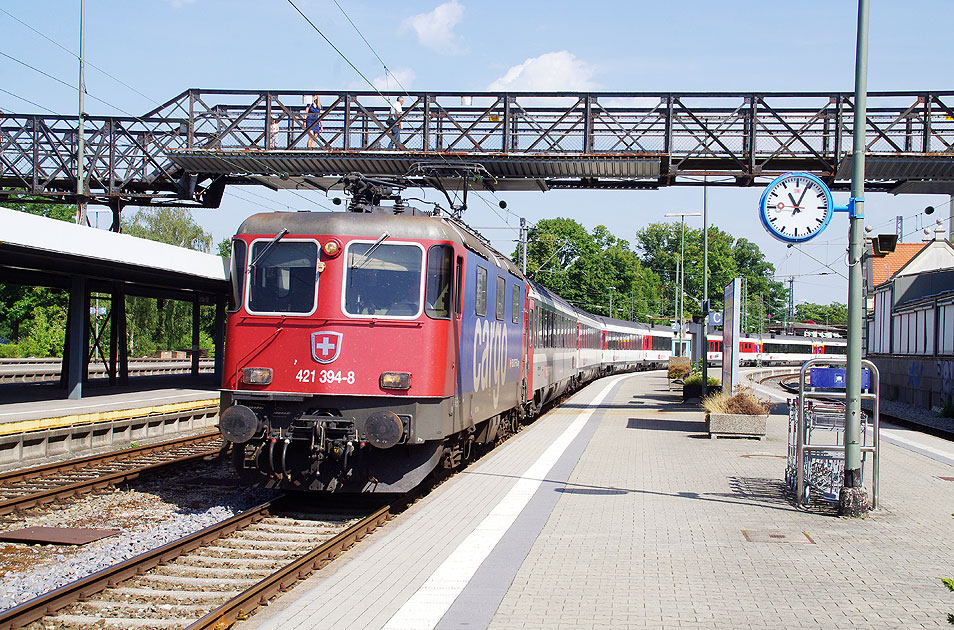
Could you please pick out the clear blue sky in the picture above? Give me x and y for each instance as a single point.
(162, 47)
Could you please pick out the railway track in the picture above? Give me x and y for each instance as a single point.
(209, 579)
(788, 382)
(22, 489)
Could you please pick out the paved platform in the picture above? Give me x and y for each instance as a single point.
(618, 511)
(41, 406)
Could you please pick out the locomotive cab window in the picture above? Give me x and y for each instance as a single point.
(501, 297)
(383, 281)
(440, 262)
(236, 274)
(283, 277)
(481, 287)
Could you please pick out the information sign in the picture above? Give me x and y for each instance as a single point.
(730, 335)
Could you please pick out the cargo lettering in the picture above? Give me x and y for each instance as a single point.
(491, 347)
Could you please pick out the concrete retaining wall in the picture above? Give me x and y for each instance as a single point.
(34, 447)
(922, 381)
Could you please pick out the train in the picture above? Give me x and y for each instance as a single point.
(365, 349)
(776, 349)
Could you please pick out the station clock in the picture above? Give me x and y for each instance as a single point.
(796, 207)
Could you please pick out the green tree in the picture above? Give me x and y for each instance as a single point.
(163, 324)
(579, 266)
(35, 315)
(834, 313)
(47, 332)
(659, 245)
(174, 226)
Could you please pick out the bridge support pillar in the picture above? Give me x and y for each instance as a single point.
(195, 336)
(76, 338)
(219, 338)
(118, 349)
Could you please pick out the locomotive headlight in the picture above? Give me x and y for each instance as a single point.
(332, 248)
(395, 380)
(257, 376)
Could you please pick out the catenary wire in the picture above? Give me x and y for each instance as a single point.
(26, 100)
(73, 54)
(368, 81)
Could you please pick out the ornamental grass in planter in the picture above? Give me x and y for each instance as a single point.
(740, 414)
(692, 387)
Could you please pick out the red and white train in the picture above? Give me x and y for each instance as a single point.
(773, 349)
(366, 348)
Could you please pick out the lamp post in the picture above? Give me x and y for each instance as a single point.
(853, 499)
(682, 275)
(611, 289)
(705, 288)
(80, 135)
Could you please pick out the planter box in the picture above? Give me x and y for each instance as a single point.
(693, 392)
(736, 425)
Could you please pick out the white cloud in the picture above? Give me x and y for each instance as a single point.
(435, 30)
(550, 72)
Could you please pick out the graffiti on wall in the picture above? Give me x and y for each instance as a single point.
(945, 372)
(915, 372)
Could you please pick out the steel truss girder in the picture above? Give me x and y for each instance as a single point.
(735, 137)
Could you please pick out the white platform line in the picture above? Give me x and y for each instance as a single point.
(431, 601)
(894, 437)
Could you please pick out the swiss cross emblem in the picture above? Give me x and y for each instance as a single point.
(325, 346)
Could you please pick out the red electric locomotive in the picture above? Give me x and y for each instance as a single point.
(345, 343)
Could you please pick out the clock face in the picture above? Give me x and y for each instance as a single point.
(796, 207)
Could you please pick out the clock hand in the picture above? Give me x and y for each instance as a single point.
(802, 197)
(795, 207)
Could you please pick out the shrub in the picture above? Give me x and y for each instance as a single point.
(696, 379)
(947, 411)
(45, 334)
(743, 401)
(678, 370)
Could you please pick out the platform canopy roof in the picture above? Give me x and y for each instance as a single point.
(40, 251)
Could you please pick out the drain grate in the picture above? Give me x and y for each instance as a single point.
(773, 536)
(56, 535)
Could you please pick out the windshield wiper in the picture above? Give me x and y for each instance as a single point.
(367, 254)
(271, 244)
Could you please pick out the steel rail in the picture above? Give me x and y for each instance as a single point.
(37, 608)
(33, 499)
(246, 602)
(103, 458)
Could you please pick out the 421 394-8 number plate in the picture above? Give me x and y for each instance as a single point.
(325, 376)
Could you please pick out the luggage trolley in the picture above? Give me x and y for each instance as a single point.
(816, 430)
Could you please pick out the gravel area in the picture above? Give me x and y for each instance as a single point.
(149, 514)
(912, 413)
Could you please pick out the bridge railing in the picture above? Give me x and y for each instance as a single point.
(38, 154)
(741, 135)
(751, 129)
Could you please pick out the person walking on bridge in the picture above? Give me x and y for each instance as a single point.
(313, 120)
(394, 121)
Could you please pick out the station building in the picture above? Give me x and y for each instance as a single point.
(911, 325)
